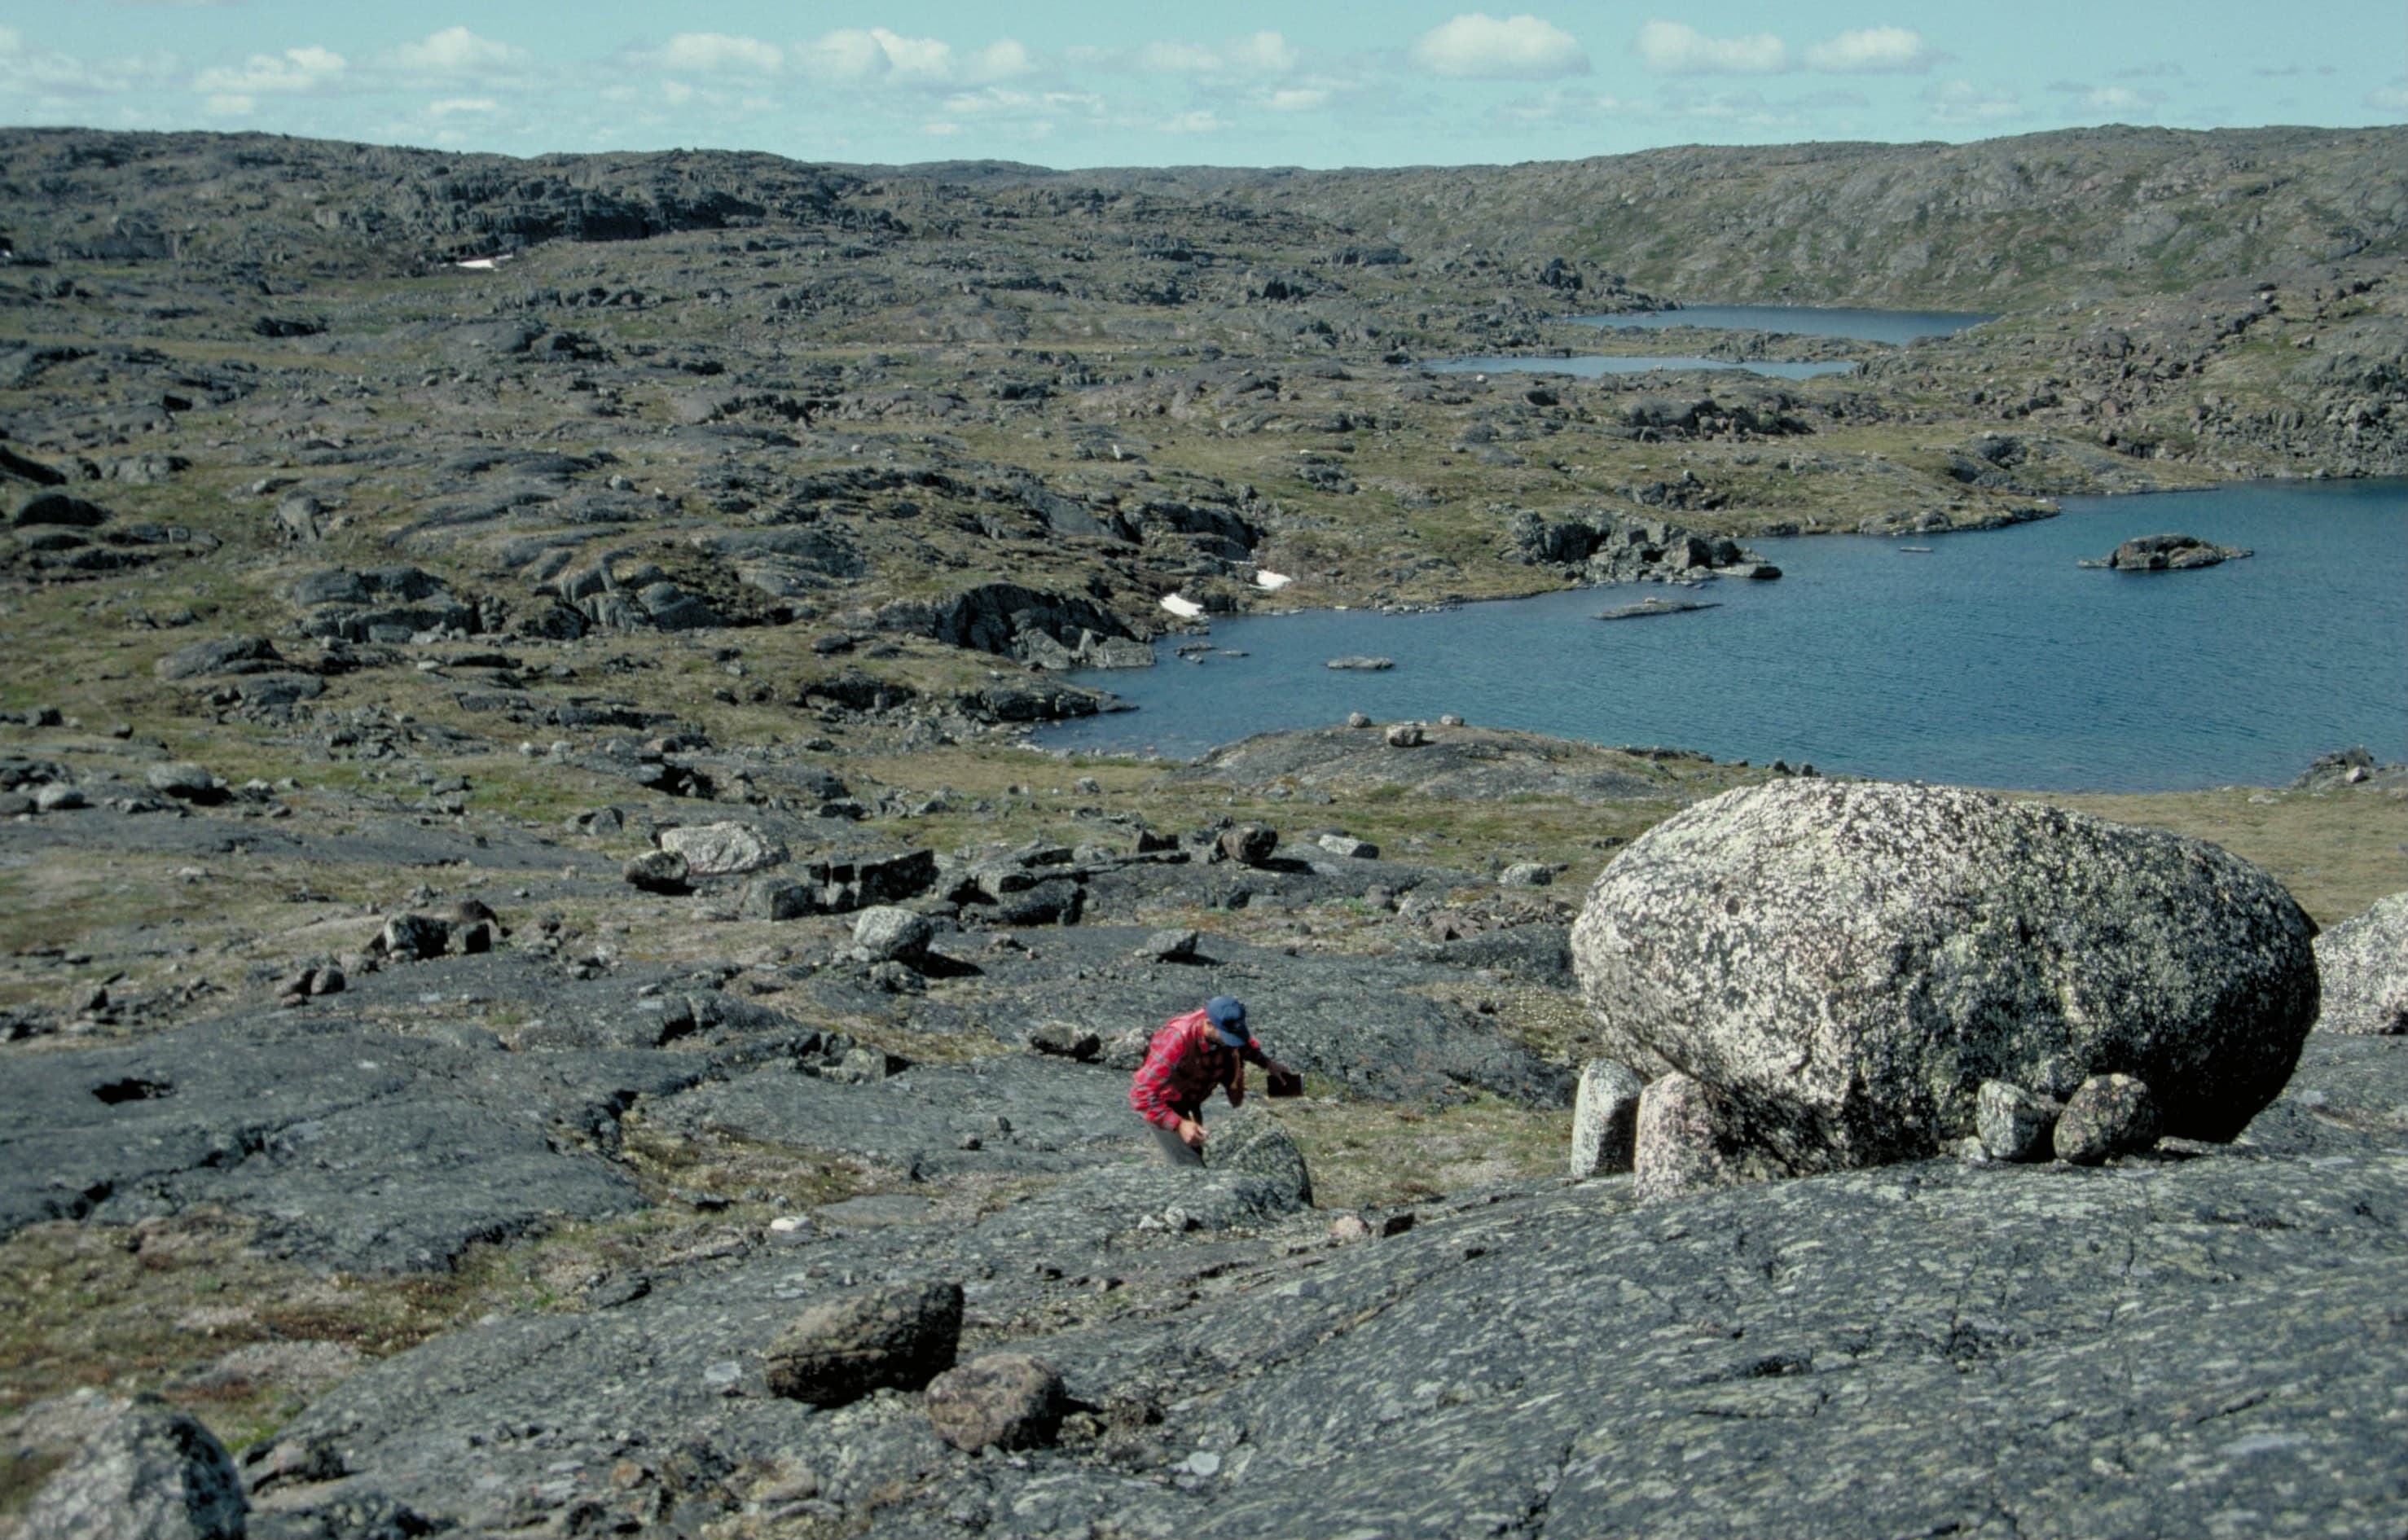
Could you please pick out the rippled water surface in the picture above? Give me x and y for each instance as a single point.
(1591, 366)
(1892, 326)
(1993, 660)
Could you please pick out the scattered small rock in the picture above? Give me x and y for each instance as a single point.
(1683, 1141)
(2013, 1123)
(1249, 844)
(415, 937)
(1605, 1118)
(1169, 946)
(1065, 1040)
(723, 849)
(657, 872)
(185, 780)
(844, 1346)
(2110, 1115)
(1406, 735)
(1001, 1401)
(890, 934)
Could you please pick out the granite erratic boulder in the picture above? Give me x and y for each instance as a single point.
(1840, 965)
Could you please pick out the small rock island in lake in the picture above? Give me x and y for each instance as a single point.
(2167, 553)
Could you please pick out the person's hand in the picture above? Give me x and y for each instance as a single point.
(1191, 1133)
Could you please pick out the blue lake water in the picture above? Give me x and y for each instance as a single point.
(1892, 326)
(1992, 661)
(1590, 365)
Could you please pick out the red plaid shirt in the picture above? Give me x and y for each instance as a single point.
(1186, 1061)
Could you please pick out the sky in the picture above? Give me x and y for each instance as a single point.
(1242, 83)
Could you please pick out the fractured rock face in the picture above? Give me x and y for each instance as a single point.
(844, 1346)
(152, 1473)
(2363, 962)
(1845, 964)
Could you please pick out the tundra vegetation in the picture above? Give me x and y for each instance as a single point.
(544, 990)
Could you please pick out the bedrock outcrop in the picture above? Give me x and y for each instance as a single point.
(1843, 965)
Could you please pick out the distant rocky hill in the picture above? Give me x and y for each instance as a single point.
(2018, 221)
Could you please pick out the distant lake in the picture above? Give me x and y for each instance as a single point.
(1590, 365)
(1992, 661)
(1897, 327)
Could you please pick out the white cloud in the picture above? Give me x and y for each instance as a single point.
(1675, 48)
(1478, 46)
(295, 70)
(1871, 50)
(2121, 99)
(1263, 54)
(456, 51)
(454, 105)
(854, 54)
(29, 71)
(1177, 59)
(1204, 121)
(1962, 102)
(1003, 60)
(2392, 99)
(230, 106)
(714, 52)
(1297, 99)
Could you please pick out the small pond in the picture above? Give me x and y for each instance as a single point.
(1989, 659)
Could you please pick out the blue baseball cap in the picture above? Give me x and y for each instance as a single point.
(1228, 1019)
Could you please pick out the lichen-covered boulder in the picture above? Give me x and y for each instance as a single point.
(1252, 1144)
(1844, 964)
(151, 1473)
(2364, 965)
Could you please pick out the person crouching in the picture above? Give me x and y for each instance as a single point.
(1190, 1056)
